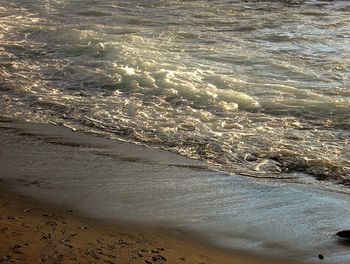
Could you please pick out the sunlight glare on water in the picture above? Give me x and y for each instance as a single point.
(256, 88)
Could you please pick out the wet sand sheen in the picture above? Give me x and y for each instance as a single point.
(33, 232)
(113, 181)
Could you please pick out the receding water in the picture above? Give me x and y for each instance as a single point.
(260, 88)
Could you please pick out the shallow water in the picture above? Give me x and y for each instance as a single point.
(256, 88)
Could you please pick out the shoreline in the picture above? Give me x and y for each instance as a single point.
(118, 184)
(33, 232)
(36, 224)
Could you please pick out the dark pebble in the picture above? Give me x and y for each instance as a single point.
(46, 215)
(320, 256)
(345, 234)
(158, 258)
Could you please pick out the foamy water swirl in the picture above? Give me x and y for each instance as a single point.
(254, 88)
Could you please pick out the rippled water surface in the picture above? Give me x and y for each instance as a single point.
(260, 88)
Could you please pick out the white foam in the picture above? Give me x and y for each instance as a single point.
(218, 91)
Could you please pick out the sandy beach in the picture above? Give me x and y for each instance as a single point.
(174, 131)
(69, 197)
(39, 231)
(33, 232)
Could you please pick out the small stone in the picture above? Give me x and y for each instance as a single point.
(344, 234)
(46, 215)
(320, 256)
(27, 210)
(83, 228)
(158, 258)
(250, 158)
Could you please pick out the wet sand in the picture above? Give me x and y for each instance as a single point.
(41, 231)
(156, 199)
(33, 232)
